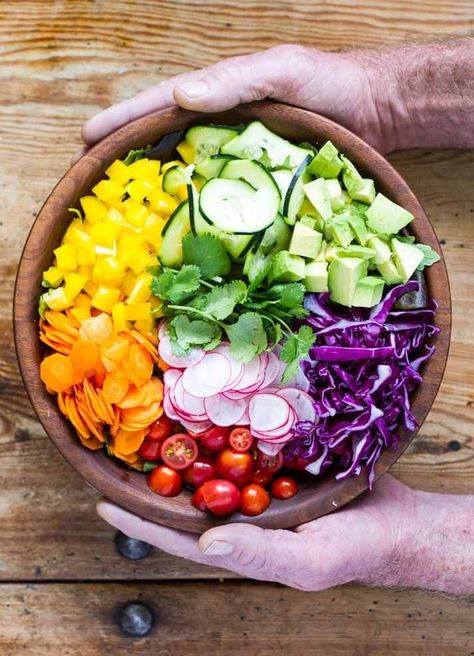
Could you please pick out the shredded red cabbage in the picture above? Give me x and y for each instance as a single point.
(361, 371)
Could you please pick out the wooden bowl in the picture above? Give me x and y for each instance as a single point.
(128, 488)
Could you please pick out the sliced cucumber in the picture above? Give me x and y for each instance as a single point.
(276, 238)
(256, 141)
(208, 139)
(212, 166)
(283, 178)
(250, 171)
(235, 206)
(177, 226)
(295, 193)
(174, 178)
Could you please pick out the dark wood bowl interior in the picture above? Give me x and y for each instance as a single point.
(318, 496)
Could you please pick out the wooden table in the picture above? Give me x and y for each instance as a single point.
(62, 581)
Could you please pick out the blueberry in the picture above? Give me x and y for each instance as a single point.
(131, 548)
(136, 620)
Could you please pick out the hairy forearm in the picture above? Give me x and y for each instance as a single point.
(423, 94)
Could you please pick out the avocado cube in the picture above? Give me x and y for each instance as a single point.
(368, 292)
(343, 275)
(331, 252)
(316, 277)
(367, 193)
(386, 217)
(356, 251)
(322, 253)
(326, 164)
(358, 226)
(389, 272)
(308, 221)
(381, 248)
(407, 258)
(335, 194)
(318, 195)
(352, 179)
(305, 241)
(286, 268)
(341, 229)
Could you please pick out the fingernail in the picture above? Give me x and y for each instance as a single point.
(219, 548)
(194, 89)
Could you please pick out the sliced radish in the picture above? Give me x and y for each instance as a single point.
(224, 412)
(237, 368)
(269, 449)
(249, 377)
(207, 377)
(188, 404)
(301, 402)
(171, 377)
(245, 418)
(278, 434)
(272, 370)
(236, 396)
(197, 427)
(181, 361)
(268, 412)
(169, 408)
(163, 329)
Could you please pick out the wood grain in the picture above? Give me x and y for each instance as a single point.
(250, 618)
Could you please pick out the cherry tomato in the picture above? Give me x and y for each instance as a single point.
(262, 477)
(198, 500)
(161, 429)
(284, 487)
(234, 466)
(254, 500)
(150, 450)
(201, 470)
(216, 438)
(164, 481)
(179, 451)
(220, 496)
(271, 464)
(240, 439)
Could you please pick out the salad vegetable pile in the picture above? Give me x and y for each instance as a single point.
(251, 305)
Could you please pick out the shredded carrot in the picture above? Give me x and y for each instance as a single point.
(142, 416)
(115, 387)
(95, 403)
(127, 442)
(84, 355)
(108, 406)
(57, 372)
(61, 322)
(116, 425)
(65, 349)
(138, 366)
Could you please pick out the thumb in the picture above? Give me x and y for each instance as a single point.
(268, 555)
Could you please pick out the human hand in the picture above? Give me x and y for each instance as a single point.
(341, 86)
(366, 542)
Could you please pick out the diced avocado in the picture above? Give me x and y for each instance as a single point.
(389, 272)
(318, 195)
(322, 253)
(386, 217)
(343, 275)
(308, 221)
(367, 193)
(335, 194)
(286, 268)
(305, 241)
(351, 177)
(368, 292)
(358, 226)
(356, 251)
(340, 229)
(316, 277)
(407, 257)
(381, 248)
(346, 198)
(331, 252)
(326, 164)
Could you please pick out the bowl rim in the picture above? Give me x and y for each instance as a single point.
(102, 472)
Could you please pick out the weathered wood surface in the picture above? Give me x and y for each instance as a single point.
(60, 62)
(247, 618)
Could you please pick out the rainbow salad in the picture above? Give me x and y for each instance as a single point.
(251, 308)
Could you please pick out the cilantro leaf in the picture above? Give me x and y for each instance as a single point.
(295, 349)
(247, 336)
(186, 333)
(221, 301)
(208, 253)
(289, 295)
(133, 155)
(176, 287)
(430, 256)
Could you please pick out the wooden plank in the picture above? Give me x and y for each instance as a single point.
(233, 618)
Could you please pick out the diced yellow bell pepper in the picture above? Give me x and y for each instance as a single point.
(152, 230)
(108, 190)
(138, 260)
(75, 225)
(138, 189)
(163, 203)
(136, 213)
(118, 318)
(85, 270)
(94, 209)
(116, 220)
(105, 298)
(154, 166)
(81, 313)
(137, 311)
(139, 170)
(103, 234)
(53, 276)
(182, 192)
(198, 182)
(128, 283)
(187, 152)
(128, 242)
(145, 326)
(108, 271)
(169, 165)
(118, 171)
(86, 255)
(90, 288)
(56, 299)
(141, 291)
(82, 301)
(73, 285)
(66, 257)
